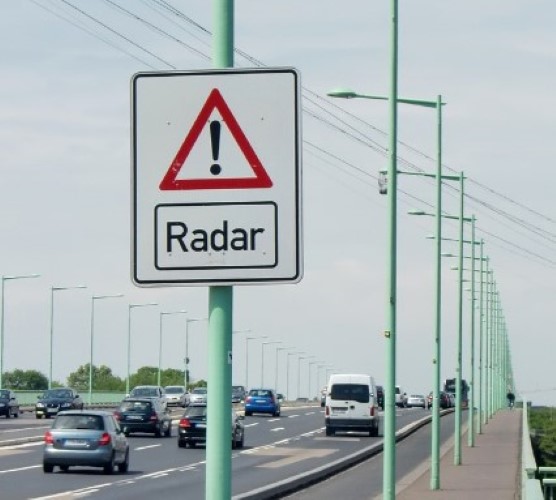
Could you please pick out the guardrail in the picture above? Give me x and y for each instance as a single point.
(531, 488)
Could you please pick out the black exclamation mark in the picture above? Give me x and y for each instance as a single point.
(215, 168)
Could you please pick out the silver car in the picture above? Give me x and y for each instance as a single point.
(85, 438)
(198, 396)
(176, 395)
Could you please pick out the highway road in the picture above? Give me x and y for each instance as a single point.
(275, 449)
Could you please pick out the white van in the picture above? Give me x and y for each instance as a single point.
(351, 404)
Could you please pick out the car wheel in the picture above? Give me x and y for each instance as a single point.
(181, 444)
(8, 415)
(241, 442)
(38, 417)
(277, 413)
(329, 431)
(16, 414)
(158, 432)
(168, 432)
(109, 467)
(192, 444)
(47, 468)
(64, 468)
(248, 413)
(124, 466)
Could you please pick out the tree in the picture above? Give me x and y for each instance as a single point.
(25, 380)
(103, 379)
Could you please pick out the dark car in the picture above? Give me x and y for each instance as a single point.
(444, 398)
(380, 396)
(8, 403)
(192, 429)
(262, 401)
(144, 415)
(85, 438)
(238, 393)
(54, 400)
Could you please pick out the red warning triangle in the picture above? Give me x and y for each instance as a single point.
(261, 178)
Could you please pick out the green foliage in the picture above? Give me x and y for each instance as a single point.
(103, 379)
(542, 425)
(25, 380)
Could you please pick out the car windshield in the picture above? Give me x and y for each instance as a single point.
(260, 393)
(350, 392)
(144, 391)
(199, 390)
(136, 406)
(57, 393)
(4, 394)
(196, 411)
(174, 390)
(82, 421)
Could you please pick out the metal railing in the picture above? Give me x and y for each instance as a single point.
(531, 487)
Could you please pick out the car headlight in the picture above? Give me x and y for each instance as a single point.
(40, 405)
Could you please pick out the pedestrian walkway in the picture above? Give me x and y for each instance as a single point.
(489, 471)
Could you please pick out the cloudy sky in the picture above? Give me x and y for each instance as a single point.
(66, 199)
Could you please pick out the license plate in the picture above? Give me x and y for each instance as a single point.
(52, 410)
(201, 426)
(75, 442)
(260, 401)
(134, 417)
(339, 410)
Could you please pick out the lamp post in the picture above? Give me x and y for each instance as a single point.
(247, 339)
(288, 370)
(235, 332)
(299, 373)
(4, 279)
(309, 364)
(389, 460)
(262, 357)
(93, 299)
(162, 314)
(128, 373)
(278, 349)
(186, 375)
(52, 290)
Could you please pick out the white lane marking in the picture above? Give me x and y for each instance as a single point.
(140, 448)
(273, 420)
(25, 429)
(310, 413)
(293, 416)
(251, 425)
(24, 445)
(20, 469)
(277, 429)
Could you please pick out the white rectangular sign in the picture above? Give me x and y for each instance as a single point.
(216, 177)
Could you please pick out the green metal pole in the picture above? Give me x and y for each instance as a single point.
(389, 458)
(218, 480)
(481, 339)
(128, 349)
(487, 337)
(435, 439)
(457, 432)
(91, 350)
(471, 409)
(2, 334)
(158, 376)
(51, 336)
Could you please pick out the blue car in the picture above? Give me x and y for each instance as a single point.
(262, 401)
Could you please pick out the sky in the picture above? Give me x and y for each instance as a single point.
(65, 190)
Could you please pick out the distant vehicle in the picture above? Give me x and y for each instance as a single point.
(9, 405)
(351, 404)
(450, 385)
(280, 397)
(148, 391)
(323, 396)
(416, 400)
(54, 400)
(192, 428)
(401, 397)
(444, 399)
(144, 415)
(85, 438)
(176, 395)
(380, 396)
(238, 393)
(198, 396)
(262, 401)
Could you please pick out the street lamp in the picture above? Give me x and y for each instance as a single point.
(52, 290)
(309, 364)
(299, 373)
(262, 357)
(288, 371)
(4, 279)
(130, 307)
(247, 339)
(186, 375)
(278, 349)
(162, 314)
(389, 187)
(95, 297)
(235, 332)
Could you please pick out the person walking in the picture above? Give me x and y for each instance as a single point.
(511, 399)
